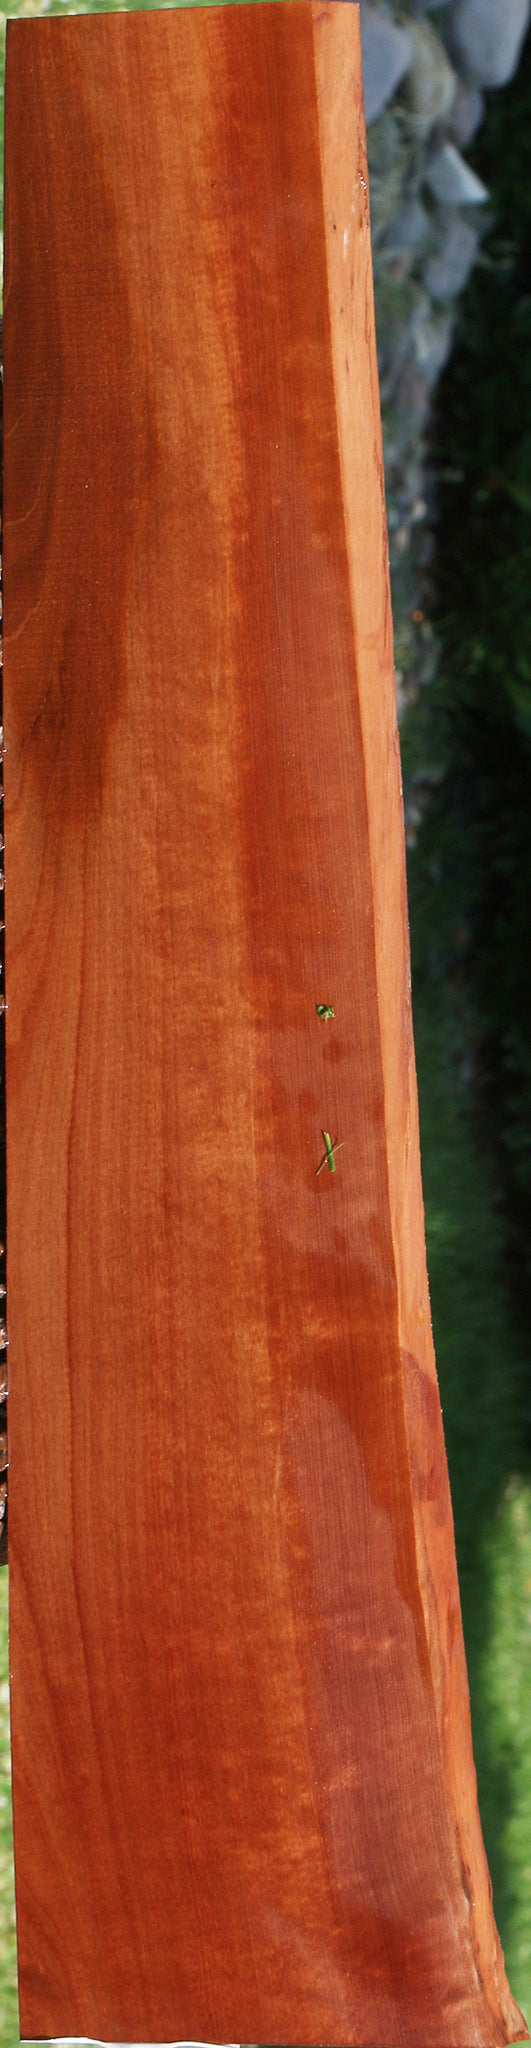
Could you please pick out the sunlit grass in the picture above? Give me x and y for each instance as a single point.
(477, 1351)
(8, 1955)
(506, 1679)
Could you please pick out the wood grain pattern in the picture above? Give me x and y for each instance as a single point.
(243, 1781)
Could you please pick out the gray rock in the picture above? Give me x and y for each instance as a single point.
(451, 181)
(387, 165)
(409, 229)
(466, 115)
(411, 404)
(431, 336)
(429, 86)
(420, 348)
(446, 272)
(386, 53)
(412, 480)
(396, 269)
(487, 37)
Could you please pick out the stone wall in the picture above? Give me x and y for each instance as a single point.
(427, 69)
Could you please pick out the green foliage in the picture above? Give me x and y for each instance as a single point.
(8, 1959)
(477, 1351)
(468, 743)
(477, 838)
(506, 1678)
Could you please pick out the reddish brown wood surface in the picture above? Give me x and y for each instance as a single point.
(244, 1792)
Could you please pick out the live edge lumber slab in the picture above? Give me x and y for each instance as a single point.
(244, 1794)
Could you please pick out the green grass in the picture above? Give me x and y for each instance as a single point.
(8, 1961)
(481, 1345)
(478, 1361)
(507, 1689)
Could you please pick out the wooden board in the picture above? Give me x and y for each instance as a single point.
(244, 1792)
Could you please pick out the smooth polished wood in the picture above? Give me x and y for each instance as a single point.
(244, 1790)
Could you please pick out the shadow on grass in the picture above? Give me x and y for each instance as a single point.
(480, 1355)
